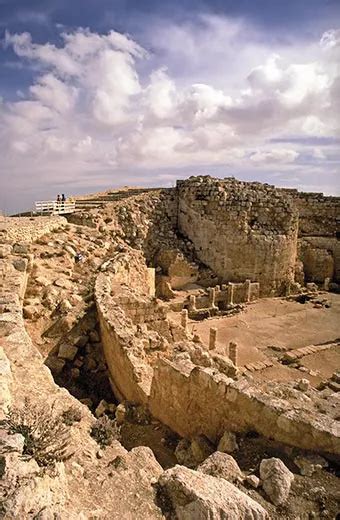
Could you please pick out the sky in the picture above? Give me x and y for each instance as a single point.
(97, 94)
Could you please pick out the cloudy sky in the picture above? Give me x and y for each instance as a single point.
(103, 93)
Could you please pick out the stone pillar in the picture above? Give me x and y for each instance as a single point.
(211, 294)
(326, 284)
(248, 286)
(233, 353)
(230, 294)
(192, 302)
(212, 338)
(184, 318)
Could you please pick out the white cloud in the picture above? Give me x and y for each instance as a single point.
(281, 155)
(93, 107)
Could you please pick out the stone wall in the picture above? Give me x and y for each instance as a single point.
(319, 216)
(26, 229)
(195, 396)
(240, 230)
(194, 400)
(129, 375)
(318, 235)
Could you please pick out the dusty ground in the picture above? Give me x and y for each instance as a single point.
(278, 323)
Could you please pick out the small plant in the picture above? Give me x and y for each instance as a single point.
(105, 431)
(46, 436)
(71, 415)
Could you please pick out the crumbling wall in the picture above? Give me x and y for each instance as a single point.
(319, 216)
(319, 236)
(129, 375)
(195, 396)
(194, 400)
(25, 229)
(241, 230)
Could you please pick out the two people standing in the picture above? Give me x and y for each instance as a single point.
(61, 199)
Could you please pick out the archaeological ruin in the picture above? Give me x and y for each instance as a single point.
(172, 353)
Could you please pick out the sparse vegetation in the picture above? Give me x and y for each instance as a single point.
(71, 415)
(105, 431)
(46, 436)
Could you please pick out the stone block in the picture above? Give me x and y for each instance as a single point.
(68, 352)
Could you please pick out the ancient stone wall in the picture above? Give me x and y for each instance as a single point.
(130, 376)
(28, 229)
(319, 216)
(196, 397)
(194, 400)
(318, 235)
(241, 230)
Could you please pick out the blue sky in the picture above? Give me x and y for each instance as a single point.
(97, 94)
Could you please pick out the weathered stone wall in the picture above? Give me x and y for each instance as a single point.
(319, 216)
(194, 400)
(241, 230)
(130, 375)
(25, 229)
(318, 234)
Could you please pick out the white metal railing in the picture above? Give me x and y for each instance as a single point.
(54, 207)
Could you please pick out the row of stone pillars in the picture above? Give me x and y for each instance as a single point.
(231, 349)
(212, 295)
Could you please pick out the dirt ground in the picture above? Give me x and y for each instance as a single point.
(282, 324)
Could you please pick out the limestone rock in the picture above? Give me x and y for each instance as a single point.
(21, 249)
(104, 407)
(63, 283)
(277, 480)
(5, 250)
(20, 264)
(192, 453)
(12, 442)
(253, 481)
(67, 351)
(193, 495)
(120, 413)
(309, 464)
(303, 385)
(221, 465)
(227, 443)
(70, 250)
(41, 280)
(201, 448)
(65, 306)
(31, 311)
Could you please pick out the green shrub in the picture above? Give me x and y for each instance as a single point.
(46, 436)
(105, 431)
(71, 415)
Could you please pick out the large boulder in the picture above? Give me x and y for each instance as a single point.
(192, 495)
(276, 480)
(221, 465)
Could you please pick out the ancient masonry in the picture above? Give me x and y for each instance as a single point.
(203, 249)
